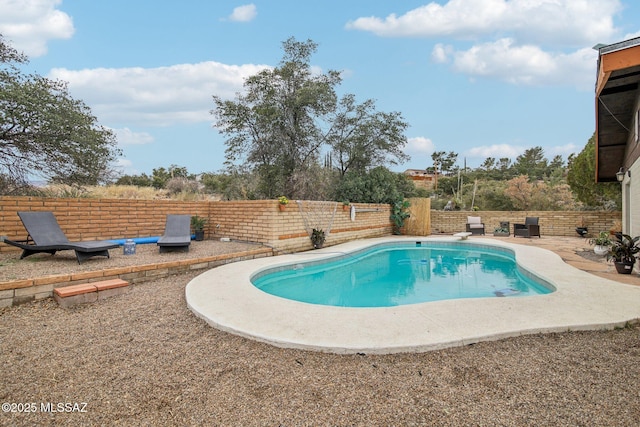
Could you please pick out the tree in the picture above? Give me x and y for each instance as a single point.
(493, 169)
(360, 136)
(520, 190)
(444, 162)
(581, 177)
(491, 196)
(379, 185)
(46, 133)
(160, 176)
(532, 163)
(539, 195)
(142, 180)
(288, 117)
(276, 125)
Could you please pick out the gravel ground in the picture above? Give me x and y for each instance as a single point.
(143, 359)
(40, 265)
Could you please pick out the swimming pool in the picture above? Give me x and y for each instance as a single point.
(405, 273)
(226, 299)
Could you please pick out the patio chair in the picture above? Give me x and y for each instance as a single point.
(44, 235)
(475, 225)
(177, 234)
(528, 229)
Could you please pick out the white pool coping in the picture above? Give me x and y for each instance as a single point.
(225, 298)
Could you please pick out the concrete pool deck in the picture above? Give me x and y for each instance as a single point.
(226, 299)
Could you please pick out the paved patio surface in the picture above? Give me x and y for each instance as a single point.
(568, 248)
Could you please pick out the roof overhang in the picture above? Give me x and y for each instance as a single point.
(616, 94)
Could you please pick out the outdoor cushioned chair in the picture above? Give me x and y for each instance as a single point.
(528, 229)
(177, 234)
(475, 225)
(45, 235)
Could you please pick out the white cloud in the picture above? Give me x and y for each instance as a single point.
(441, 53)
(565, 22)
(497, 151)
(527, 42)
(126, 136)
(29, 24)
(244, 13)
(156, 96)
(419, 146)
(125, 166)
(521, 64)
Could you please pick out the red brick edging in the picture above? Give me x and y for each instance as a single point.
(16, 292)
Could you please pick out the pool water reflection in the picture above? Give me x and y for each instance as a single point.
(400, 274)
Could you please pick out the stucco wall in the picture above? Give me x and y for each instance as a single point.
(631, 199)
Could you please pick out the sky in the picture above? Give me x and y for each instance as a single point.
(482, 78)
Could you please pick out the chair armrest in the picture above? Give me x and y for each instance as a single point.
(475, 226)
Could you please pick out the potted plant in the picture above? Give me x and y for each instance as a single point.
(501, 231)
(623, 252)
(197, 224)
(345, 205)
(399, 214)
(601, 243)
(317, 238)
(282, 203)
(582, 229)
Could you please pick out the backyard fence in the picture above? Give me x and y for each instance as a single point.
(257, 221)
(262, 222)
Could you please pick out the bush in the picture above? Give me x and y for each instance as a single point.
(182, 185)
(379, 185)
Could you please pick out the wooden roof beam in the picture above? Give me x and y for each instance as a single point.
(615, 61)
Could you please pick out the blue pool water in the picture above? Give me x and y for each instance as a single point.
(399, 274)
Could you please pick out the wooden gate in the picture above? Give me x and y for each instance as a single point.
(419, 223)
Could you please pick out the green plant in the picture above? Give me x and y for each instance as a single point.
(399, 214)
(283, 200)
(602, 239)
(317, 238)
(198, 222)
(624, 248)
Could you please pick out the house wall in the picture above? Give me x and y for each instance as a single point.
(631, 200)
(631, 184)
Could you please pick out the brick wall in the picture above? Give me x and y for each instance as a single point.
(254, 221)
(552, 223)
(260, 220)
(96, 219)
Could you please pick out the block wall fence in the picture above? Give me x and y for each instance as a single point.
(258, 221)
(552, 223)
